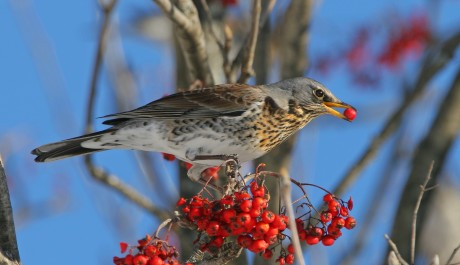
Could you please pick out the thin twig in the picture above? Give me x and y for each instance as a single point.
(123, 189)
(162, 225)
(98, 173)
(175, 14)
(414, 215)
(452, 256)
(246, 69)
(267, 12)
(102, 41)
(395, 249)
(286, 194)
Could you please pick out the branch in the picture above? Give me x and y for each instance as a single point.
(286, 194)
(97, 173)
(452, 256)
(395, 250)
(295, 38)
(191, 38)
(435, 146)
(247, 70)
(9, 253)
(414, 215)
(432, 64)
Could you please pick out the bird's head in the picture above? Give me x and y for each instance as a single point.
(313, 96)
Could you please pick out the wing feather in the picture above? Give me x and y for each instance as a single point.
(220, 100)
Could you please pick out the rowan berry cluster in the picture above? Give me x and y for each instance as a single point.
(331, 222)
(150, 251)
(243, 215)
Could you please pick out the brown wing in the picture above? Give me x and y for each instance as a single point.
(220, 100)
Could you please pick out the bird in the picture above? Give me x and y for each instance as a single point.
(227, 119)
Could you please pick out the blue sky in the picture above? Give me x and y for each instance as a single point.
(62, 215)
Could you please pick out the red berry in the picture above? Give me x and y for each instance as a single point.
(302, 234)
(258, 246)
(312, 240)
(260, 192)
(181, 202)
(350, 223)
(333, 205)
(328, 197)
(213, 228)
(338, 222)
(259, 203)
(255, 212)
(140, 259)
(290, 248)
(129, 259)
(290, 259)
(344, 211)
(123, 246)
(350, 113)
(350, 204)
(270, 239)
(268, 254)
(217, 242)
(326, 216)
(246, 206)
(268, 217)
(168, 157)
(150, 251)
(273, 231)
(328, 240)
(156, 261)
(228, 215)
(262, 227)
(316, 231)
(243, 219)
(244, 241)
(281, 261)
(253, 186)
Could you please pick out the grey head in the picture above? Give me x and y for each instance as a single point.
(309, 94)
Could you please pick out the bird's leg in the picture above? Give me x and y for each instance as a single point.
(231, 162)
(217, 157)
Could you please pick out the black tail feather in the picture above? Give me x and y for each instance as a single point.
(67, 148)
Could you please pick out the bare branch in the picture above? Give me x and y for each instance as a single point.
(432, 64)
(190, 37)
(414, 215)
(98, 173)
(123, 189)
(452, 256)
(392, 259)
(247, 70)
(435, 145)
(9, 253)
(395, 249)
(286, 194)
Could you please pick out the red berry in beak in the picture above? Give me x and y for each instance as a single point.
(350, 113)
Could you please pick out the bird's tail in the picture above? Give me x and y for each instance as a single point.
(67, 148)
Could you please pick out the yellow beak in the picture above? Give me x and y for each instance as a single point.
(329, 105)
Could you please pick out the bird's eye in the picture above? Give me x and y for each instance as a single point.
(319, 93)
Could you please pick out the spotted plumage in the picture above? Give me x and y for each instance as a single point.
(225, 119)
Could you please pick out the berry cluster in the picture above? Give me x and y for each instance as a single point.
(149, 252)
(333, 220)
(243, 215)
